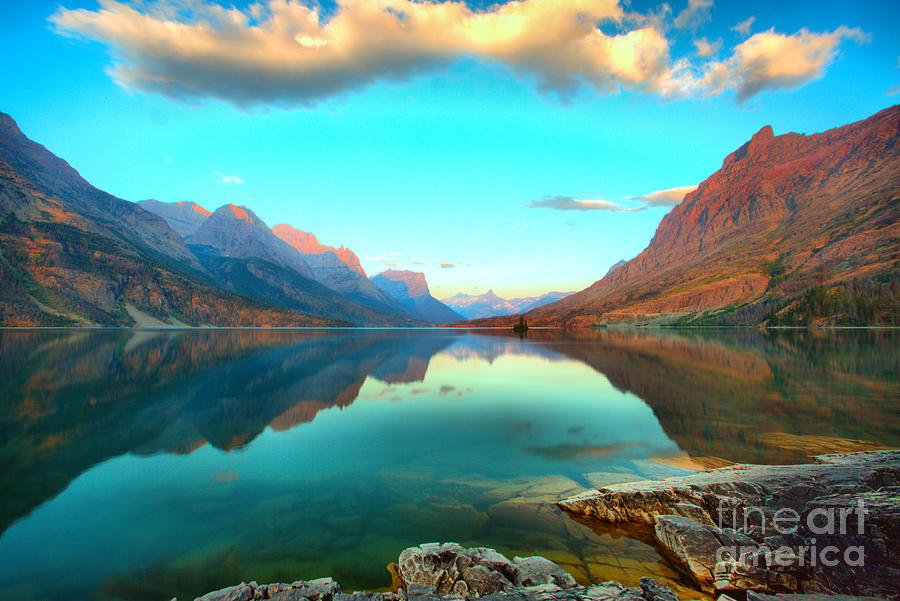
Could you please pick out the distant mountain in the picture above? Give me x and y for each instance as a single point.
(71, 254)
(491, 305)
(184, 217)
(339, 269)
(411, 289)
(792, 230)
(239, 249)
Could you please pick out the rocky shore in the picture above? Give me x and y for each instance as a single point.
(828, 531)
(449, 572)
(832, 527)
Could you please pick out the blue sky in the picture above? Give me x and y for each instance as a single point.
(426, 144)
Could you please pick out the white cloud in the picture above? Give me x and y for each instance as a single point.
(664, 198)
(706, 49)
(775, 61)
(695, 14)
(570, 203)
(744, 26)
(417, 262)
(282, 52)
(228, 179)
(447, 265)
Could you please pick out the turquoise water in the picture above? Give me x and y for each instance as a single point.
(146, 465)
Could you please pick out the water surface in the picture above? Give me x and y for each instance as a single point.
(144, 465)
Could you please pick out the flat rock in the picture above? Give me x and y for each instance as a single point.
(699, 519)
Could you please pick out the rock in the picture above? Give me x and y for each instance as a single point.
(449, 572)
(772, 528)
(240, 592)
(655, 591)
(697, 548)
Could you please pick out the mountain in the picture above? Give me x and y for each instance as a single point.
(71, 254)
(184, 217)
(792, 230)
(245, 257)
(411, 290)
(491, 305)
(309, 245)
(234, 231)
(339, 269)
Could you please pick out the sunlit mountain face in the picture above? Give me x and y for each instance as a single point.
(177, 463)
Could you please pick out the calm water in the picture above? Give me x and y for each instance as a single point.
(143, 465)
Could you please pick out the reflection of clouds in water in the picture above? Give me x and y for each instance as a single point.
(522, 427)
(418, 391)
(568, 452)
(445, 389)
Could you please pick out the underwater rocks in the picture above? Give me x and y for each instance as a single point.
(830, 527)
(449, 572)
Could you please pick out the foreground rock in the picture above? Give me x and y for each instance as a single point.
(830, 527)
(438, 572)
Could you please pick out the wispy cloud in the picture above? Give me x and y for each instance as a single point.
(228, 179)
(386, 261)
(417, 262)
(570, 203)
(664, 198)
(695, 14)
(282, 52)
(744, 26)
(706, 49)
(448, 265)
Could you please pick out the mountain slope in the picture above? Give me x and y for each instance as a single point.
(184, 217)
(411, 290)
(245, 257)
(71, 254)
(339, 269)
(234, 231)
(792, 229)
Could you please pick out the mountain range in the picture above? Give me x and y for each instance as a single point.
(71, 254)
(792, 230)
(491, 305)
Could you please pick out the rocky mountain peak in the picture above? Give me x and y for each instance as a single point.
(193, 206)
(308, 244)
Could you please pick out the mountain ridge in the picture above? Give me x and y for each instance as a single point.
(791, 230)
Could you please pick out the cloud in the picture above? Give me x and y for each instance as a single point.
(695, 14)
(707, 49)
(775, 61)
(448, 265)
(395, 254)
(664, 198)
(744, 26)
(285, 53)
(281, 52)
(570, 203)
(228, 179)
(386, 261)
(417, 262)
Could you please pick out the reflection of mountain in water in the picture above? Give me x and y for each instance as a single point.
(752, 396)
(74, 400)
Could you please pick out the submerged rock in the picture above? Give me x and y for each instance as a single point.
(830, 527)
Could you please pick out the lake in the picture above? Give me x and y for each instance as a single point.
(145, 464)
